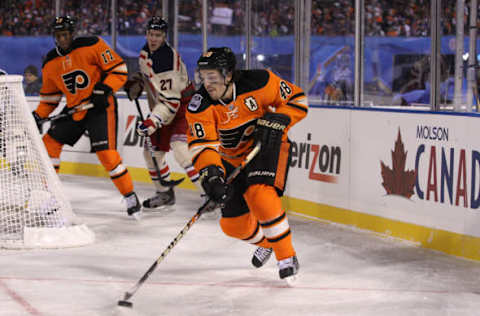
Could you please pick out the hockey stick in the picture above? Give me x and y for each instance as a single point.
(75, 109)
(207, 206)
(148, 142)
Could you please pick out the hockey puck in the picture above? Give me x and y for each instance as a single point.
(125, 303)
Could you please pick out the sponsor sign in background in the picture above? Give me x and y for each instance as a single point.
(438, 149)
(319, 171)
(129, 144)
(431, 166)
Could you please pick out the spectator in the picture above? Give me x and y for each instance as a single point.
(32, 83)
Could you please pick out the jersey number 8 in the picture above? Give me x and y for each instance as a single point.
(198, 130)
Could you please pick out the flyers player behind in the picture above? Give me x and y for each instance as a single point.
(230, 112)
(85, 70)
(165, 78)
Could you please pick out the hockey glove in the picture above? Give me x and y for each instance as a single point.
(214, 185)
(269, 131)
(149, 126)
(37, 121)
(134, 86)
(100, 95)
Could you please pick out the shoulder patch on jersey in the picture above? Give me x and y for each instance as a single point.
(251, 80)
(199, 102)
(195, 102)
(84, 41)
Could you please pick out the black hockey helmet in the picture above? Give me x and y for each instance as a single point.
(157, 23)
(221, 58)
(63, 23)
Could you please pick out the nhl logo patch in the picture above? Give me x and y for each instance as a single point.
(195, 102)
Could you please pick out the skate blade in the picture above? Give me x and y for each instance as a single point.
(160, 209)
(291, 281)
(137, 216)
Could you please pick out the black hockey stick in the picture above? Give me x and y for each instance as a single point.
(148, 142)
(75, 109)
(206, 207)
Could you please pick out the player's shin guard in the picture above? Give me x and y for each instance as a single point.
(264, 202)
(112, 162)
(184, 159)
(162, 164)
(54, 149)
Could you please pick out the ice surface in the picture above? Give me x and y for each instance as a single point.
(342, 271)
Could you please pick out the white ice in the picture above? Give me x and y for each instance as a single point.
(342, 271)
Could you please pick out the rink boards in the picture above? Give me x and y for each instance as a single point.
(405, 174)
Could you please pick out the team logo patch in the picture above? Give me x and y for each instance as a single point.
(74, 80)
(195, 102)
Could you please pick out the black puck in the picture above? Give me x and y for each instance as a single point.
(125, 303)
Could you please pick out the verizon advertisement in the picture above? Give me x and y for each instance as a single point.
(320, 166)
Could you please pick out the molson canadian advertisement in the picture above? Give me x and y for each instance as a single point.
(411, 167)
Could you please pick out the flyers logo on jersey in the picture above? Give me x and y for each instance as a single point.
(74, 80)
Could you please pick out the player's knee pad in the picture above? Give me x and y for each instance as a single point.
(110, 159)
(181, 153)
(244, 227)
(54, 148)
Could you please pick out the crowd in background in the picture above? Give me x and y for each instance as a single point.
(270, 17)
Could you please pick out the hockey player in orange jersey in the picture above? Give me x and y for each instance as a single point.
(85, 70)
(230, 112)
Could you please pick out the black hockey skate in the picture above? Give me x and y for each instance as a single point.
(261, 256)
(133, 205)
(160, 200)
(288, 268)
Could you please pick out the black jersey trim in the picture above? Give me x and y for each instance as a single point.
(293, 105)
(301, 94)
(272, 222)
(280, 237)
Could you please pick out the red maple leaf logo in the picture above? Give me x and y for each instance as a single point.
(398, 180)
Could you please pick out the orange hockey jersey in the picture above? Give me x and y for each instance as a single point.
(218, 131)
(74, 75)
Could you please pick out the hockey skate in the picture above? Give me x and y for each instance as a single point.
(261, 256)
(133, 205)
(287, 269)
(160, 201)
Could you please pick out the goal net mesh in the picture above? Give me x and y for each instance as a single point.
(34, 211)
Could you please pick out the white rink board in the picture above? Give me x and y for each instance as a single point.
(373, 138)
(350, 145)
(129, 143)
(329, 132)
(368, 137)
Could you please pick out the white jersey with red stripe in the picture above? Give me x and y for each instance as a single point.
(165, 77)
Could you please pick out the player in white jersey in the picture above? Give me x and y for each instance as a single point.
(164, 77)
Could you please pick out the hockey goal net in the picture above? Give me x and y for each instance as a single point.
(34, 211)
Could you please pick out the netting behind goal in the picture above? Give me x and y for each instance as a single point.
(34, 211)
